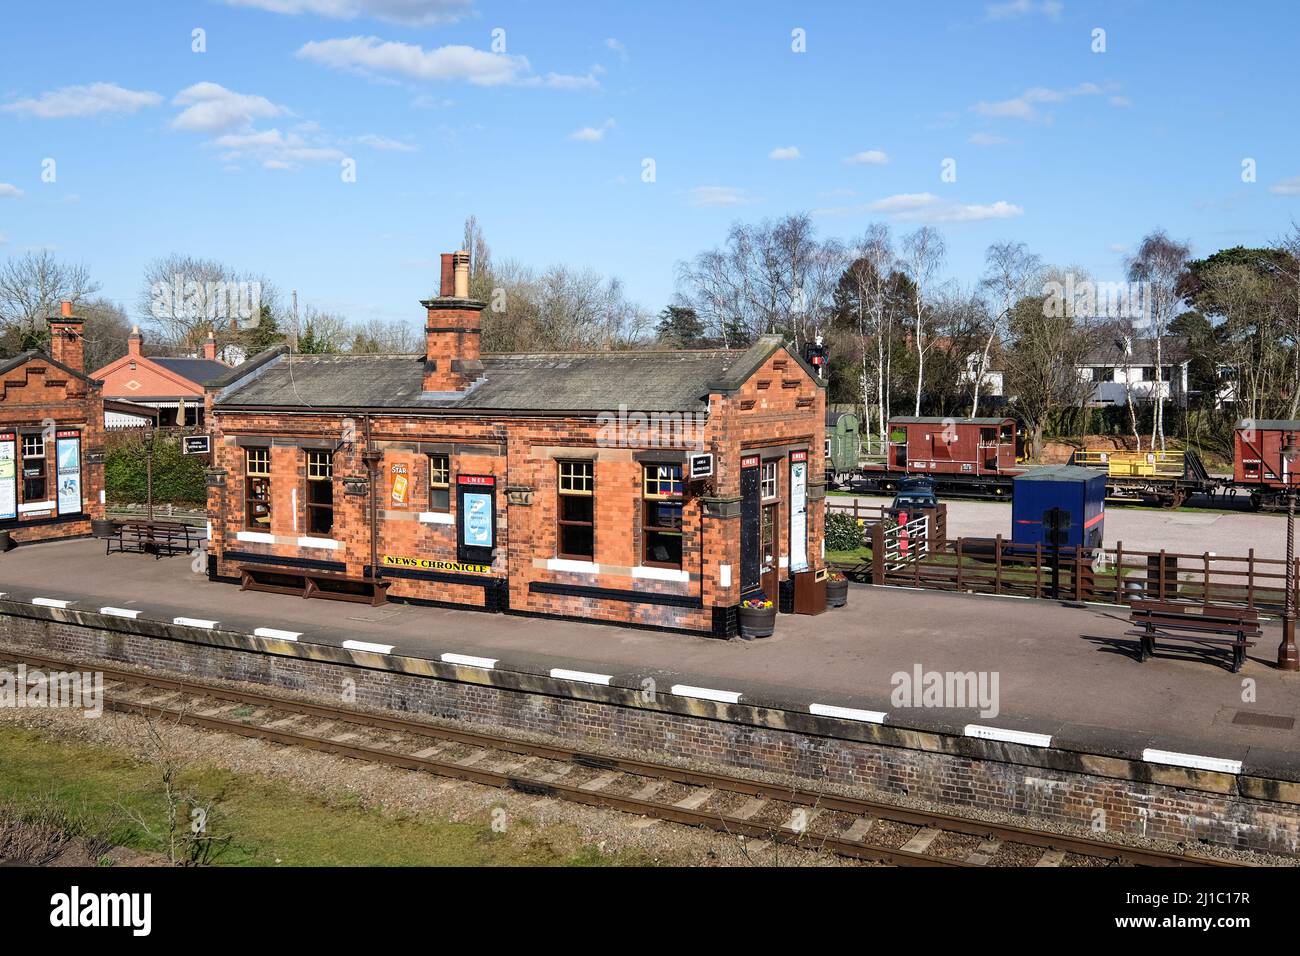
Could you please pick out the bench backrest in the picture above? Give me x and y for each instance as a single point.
(1210, 613)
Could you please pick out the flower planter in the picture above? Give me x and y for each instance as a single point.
(6, 541)
(757, 622)
(837, 593)
(103, 528)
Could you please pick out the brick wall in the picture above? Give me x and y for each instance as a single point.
(744, 740)
(30, 395)
(779, 409)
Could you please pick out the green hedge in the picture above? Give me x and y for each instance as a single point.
(177, 478)
(843, 533)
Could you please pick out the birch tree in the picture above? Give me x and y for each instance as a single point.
(1159, 264)
(1011, 272)
(923, 254)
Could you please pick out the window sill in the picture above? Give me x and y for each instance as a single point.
(572, 565)
(256, 537)
(661, 574)
(328, 544)
(436, 517)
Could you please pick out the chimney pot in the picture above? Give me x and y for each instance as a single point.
(65, 309)
(210, 348)
(461, 260)
(448, 286)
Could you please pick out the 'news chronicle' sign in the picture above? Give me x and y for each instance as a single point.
(429, 564)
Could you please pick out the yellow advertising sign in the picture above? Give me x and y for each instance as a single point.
(429, 564)
(400, 482)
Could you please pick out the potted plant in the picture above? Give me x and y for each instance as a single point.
(102, 527)
(757, 617)
(837, 589)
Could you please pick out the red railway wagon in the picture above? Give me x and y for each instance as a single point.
(961, 455)
(1257, 462)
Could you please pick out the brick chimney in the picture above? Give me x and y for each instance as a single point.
(67, 343)
(133, 342)
(451, 355)
(210, 348)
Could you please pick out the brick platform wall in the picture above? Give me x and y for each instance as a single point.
(1131, 806)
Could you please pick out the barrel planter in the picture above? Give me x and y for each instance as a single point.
(103, 528)
(757, 620)
(6, 541)
(837, 591)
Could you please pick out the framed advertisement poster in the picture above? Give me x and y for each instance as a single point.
(68, 471)
(476, 518)
(8, 476)
(798, 511)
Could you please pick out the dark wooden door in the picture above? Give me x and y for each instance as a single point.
(750, 532)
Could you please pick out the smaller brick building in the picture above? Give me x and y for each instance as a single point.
(656, 488)
(51, 439)
(173, 386)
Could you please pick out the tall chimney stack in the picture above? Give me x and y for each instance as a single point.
(67, 342)
(210, 348)
(133, 342)
(452, 332)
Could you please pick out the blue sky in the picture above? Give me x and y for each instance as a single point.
(236, 153)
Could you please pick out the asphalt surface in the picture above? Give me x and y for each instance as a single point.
(1065, 671)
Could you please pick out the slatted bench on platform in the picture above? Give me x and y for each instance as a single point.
(1196, 624)
(307, 583)
(154, 537)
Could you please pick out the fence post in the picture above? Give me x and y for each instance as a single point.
(1250, 578)
(1038, 569)
(959, 541)
(997, 565)
(1205, 586)
(1119, 572)
(878, 553)
(1161, 578)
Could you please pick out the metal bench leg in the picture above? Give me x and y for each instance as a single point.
(1238, 654)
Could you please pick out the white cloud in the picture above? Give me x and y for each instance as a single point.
(1013, 9)
(592, 134)
(927, 207)
(1026, 105)
(987, 139)
(617, 47)
(274, 149)
(211, 108)
(371, 55)
(718, 196)
(3, 239)
(10, 191)
(375, 141)
(870, 157)
(1286, 187)
(90, 100)
(407, 12)
(785, 152)
(1121, 101)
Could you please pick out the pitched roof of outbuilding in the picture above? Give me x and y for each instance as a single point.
(528, 382)
(200, 371)
(21, 358)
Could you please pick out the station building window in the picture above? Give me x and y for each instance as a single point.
(768, 482)
(662, 491)
(257, 489)
(439, 483)
(33, 467)
(576, 520)
(320, 492)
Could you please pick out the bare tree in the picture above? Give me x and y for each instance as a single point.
(923, 254)
(31, 287)
(1158, 264)
(480, 256)
(184, 298)
(1011, 272)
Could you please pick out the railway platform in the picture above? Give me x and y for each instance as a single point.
(1041, 673)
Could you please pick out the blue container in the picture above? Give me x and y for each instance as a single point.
(1072, 498)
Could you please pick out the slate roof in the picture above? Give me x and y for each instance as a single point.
(197, 370)
(529, 382)
(35, 354)
(936, 420)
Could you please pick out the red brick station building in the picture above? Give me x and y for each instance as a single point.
(654, 488)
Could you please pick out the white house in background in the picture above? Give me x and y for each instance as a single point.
(993, 379)
(1110, 364)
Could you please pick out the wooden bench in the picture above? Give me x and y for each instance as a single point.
(307, 583)
(154, 537)
(1194, 623)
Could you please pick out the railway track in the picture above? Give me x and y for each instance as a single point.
(852, 827)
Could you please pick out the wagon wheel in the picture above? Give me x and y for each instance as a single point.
(1256, 501)
(1176, 499)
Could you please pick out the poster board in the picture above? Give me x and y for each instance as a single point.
(8, 476)
(67, 445)
(798, 511)
(476, 518)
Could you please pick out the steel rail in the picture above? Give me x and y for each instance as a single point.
(1005, 832)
